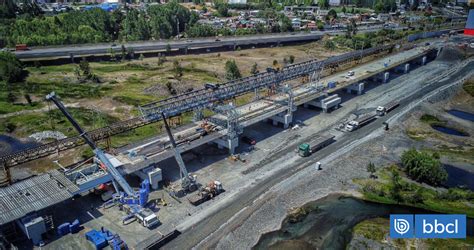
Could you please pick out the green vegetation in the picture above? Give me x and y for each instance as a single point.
(458, 153)
(97, 25)
(423, 167)
(55, 120)
(392, 188)
(430, 119)
(378, 229)
(374, 229)
(231, 70)
(11, 69)
(468, 86)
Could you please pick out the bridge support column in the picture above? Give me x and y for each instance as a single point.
(383, 77)
(358, 87)
(284, 118)
(423, 60)
(407, 68)
(229, 143)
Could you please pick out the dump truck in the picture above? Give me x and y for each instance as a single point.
(321, 141)
(212, 189)
(382, 110)
(361, 121)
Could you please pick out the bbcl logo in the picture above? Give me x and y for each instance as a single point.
(428, 226)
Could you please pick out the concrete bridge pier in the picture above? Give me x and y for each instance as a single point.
(229, 143)
(383, 77)
(357, 87)
(404, 68)
(285, 118)
(422, 60)
(325, 103)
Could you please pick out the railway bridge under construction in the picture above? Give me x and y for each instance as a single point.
(229, 121)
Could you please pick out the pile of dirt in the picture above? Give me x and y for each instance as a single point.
(450, 54)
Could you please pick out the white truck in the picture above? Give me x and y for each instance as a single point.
(382, 110)
(361, 121)
(145, 216)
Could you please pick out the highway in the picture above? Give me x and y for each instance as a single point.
(79, 50)
(190, 237)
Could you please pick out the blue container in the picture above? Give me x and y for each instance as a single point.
(96, 238)
(75, 226)
(64, 229)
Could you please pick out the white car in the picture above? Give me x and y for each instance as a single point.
(350, 73)
(471, 45)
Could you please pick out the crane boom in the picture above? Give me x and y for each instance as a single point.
(177, 155)
(97, 151)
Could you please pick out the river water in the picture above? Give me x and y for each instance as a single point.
(10, 145)
(329, 224)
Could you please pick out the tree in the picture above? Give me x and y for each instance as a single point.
(8, 9)
(11, 69)
(254, 69)
(323, 4)
(178, 70)
(423, 167)
(222, 9)
(231, 70)
(396, 186)
(332, 13)
(344, 9)
(351, 29)
(168, 48)
(371, 169)
(291, 59)
(330, 45)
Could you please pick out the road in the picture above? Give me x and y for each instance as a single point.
(190, 237)
(190, 44)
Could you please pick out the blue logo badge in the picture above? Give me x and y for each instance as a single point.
(440, 226)
(401, 226)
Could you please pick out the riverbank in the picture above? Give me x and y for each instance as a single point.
(344, 222)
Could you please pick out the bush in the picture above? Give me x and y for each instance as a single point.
(423, 167)
(11, 69)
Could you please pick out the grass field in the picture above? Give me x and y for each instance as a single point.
(455, 201)
(124, 85)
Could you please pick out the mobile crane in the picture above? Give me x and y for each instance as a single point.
(136, 201)
(188, 181)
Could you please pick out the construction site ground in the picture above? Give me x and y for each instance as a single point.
(275, 150)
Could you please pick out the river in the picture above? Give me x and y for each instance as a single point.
(10, 145)
(330, 222)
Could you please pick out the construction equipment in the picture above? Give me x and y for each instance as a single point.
(188, 181)
(135, 200)
(306, 149)
(212, 189)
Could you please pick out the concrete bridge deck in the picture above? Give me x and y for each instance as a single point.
(156, 151)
